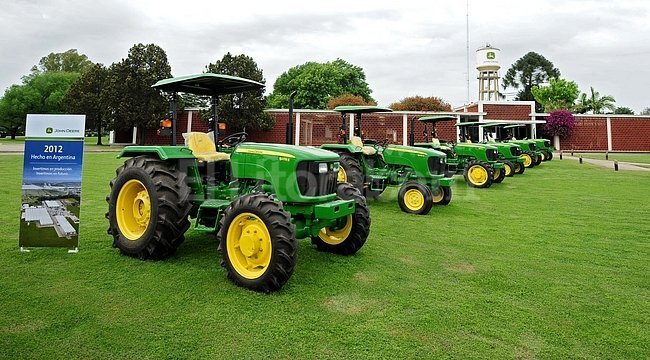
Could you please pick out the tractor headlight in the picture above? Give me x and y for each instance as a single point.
(322, 168)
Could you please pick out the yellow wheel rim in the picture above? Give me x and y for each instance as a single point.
(497, 173)
(414, 199)
(477, 175)
(133, 209)
(336, 236)
(508, 169)
(543, 156)
(248, 243)
(441, 195)
(342, 176)
(527, 160)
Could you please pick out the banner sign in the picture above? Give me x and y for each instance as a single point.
(51, 192)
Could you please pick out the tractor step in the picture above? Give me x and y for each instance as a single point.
(207, 218)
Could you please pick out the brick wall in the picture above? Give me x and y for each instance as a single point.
(631, 134)
(590, 134)
(507, 112)
(444, 130)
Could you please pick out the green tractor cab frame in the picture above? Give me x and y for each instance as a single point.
(529, 147)
(372, 166)
(478, 163)
(258, 199)
(509, 153)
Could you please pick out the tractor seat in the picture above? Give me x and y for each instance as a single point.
(366, 150)
(435, 142)
(203, 148)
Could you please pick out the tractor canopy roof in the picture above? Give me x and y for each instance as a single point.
(437, 118)
(514, 126)
(208, 84)
(491, 124)
(472, 123)
(361, 109)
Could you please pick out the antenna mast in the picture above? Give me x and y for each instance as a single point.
(467, 33)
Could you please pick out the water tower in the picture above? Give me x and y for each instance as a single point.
(487, 64)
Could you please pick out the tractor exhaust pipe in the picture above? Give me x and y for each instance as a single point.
(289, 133)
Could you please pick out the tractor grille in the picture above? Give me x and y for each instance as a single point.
(532, 147)
(492, 154)
(436, 165)
(313, 183)
(515, 150)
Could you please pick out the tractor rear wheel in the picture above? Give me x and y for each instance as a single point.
(351, 232)
(529, 159)
(257, 243)
(499, 175)
(519, 168)
(415, 198)
(478, 174)
(350, 171)
(443, 197)
(508, 168)
(148, 208)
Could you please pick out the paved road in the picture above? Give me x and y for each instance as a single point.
(606, 163)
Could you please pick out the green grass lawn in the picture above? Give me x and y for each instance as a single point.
(551, 264)
(633, 157)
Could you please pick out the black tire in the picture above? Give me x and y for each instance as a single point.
(519, 168)
(532, 158)
(444, 198)
(498, 175)
(282, 236)
(549, 155)
(352, 169)
(360, 224)
(424, 191)
(538, 160)
(486, 167)
(170, 207)
(509, 168)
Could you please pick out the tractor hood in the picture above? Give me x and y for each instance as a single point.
(476, 146)
(287, 151)
(401, 149)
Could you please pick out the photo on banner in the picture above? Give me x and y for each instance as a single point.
(51, 189)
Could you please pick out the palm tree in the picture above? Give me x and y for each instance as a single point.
(599, 103)
(582, 105)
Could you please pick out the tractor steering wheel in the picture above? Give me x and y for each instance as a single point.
(383, 143)
(233, 140)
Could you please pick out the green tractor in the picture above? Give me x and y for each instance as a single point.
(509, 154)
(478, 163)
(544, 146)
(256, 198)
(531, 155)
(371, 166)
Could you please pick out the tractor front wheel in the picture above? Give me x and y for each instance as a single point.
(478, 174)
(499, 175)
(415, 198)
(350, 232)
(549, 155)
(350, 171)
(519, 168)
(257, 243)
(538, 159)
(148, 208)
(529, 159)
(443, 197)
(508, 168)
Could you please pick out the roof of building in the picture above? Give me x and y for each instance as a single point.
(65, 225)
(39, 214)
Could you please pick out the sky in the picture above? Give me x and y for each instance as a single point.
(405, 48)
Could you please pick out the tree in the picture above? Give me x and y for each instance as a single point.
(530, 70)
(317, 83)
(560, 123)
(419, 103)
(84, 97)
(69, 61)
(582, 105)
(350, 100)
(623, 110)
(243, 111)
(42, 94)
(599, 103)
(128, 96)
(559, 94)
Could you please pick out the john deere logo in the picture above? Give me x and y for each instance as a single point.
(49, 130)
(490, 55)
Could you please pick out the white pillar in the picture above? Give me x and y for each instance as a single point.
(351, 127)
(297, 127)
(135, 135)
(609, 134)
(111, 137)
(405, 122)
(457, 129)
(557, 142)
(189, 121)
(533, 131)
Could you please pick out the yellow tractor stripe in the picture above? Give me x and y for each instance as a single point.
(264, 152)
